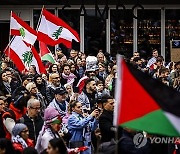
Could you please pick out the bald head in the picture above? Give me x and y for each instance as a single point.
(55, 78)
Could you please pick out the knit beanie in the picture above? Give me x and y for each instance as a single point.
(50, 114)
(18, 128)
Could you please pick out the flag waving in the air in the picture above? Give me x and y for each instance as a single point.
(20, 28)
(24, 56)
(53, 30)
(45, 53)
(144, 103)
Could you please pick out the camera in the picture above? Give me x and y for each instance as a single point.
(96, 107)
(86, 111)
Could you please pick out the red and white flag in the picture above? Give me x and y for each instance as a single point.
(20, 28)
(24, 56)
(81, 83)
(53, 30)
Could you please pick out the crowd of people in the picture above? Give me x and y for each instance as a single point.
(70, 108)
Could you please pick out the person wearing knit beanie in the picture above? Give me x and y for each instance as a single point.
(20, 137)
(50, 114)
(18, 128)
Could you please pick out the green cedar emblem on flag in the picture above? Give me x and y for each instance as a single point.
(22, 32)
(57, 33)
(27, 58)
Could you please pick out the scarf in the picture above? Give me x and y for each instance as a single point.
(7, 86)
(45, 127)
(19, 139)
(70, 78)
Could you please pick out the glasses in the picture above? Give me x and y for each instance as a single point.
(25, 131)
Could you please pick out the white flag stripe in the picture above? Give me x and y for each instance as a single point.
(49, 28)
(19, 47)
(174, 120)
(118, 90)
(29, 37)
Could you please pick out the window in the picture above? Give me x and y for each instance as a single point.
(121, 32)
(94, 33)
(149, 32)
(172, 24)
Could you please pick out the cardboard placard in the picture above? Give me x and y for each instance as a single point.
(175, 51)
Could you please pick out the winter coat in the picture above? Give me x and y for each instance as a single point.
(34, 125)
(18, 146)
(62, 108)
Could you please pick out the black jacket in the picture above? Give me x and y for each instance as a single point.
(3, 133)
(106, 125)
(34, 125)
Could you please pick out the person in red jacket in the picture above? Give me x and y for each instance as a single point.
(16, 110)
(20, 137)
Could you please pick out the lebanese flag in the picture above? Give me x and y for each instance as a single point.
(53, 30)
(45, 53)
(23, 56)
(144, 103)
(20, 28)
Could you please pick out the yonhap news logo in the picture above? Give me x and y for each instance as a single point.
(140, 140)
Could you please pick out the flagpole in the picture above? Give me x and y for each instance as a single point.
(56, 46)
(9, 34)
(117, 99)
(39, 19)
(7, 47)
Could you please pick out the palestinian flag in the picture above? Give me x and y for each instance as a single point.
(53, 30)
(20, 28)
(45, 53)
(144, 103)
(23, 56)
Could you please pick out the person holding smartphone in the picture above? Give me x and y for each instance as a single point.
(81, 127)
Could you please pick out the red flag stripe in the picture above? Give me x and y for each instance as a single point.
(43, 49)
(46, 39)
(37, 57)
(133, 98)
(56, 20)
(15, 58)
(15, 32)
(24, 24)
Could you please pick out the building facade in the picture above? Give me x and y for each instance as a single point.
(123, 29)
